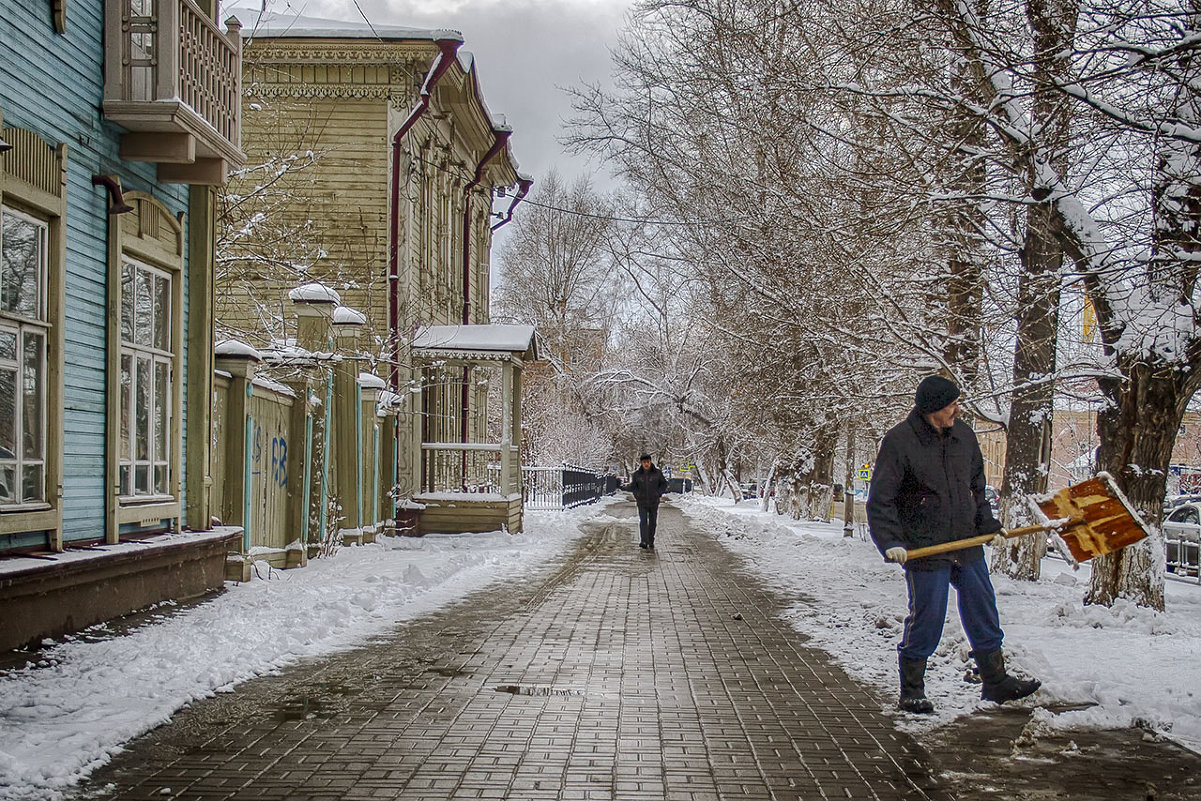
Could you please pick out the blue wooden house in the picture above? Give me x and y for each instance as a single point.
(117, 120)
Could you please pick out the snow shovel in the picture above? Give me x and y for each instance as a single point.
(1088, 519)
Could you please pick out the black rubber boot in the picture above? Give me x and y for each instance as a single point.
(913, 687)
(998, 685)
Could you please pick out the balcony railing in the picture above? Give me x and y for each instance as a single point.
(173, 80)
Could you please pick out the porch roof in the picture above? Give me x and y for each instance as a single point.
(475, 341)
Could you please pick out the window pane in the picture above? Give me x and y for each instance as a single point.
(8, 345)
(126, 485)
(160, 479)
(142, 412)
(143, 307)
(21, 265)
(141, 484)
(126, 395)
(31, 483)
(8, 414)
(162, 408)
(8, 484)
(34, 384)
(162, 313)
(127, 302)
(141, 8)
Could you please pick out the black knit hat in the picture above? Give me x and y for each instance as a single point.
(646, 457)
(934, 393)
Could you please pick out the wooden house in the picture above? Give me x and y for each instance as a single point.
(118, 119)
(373, 167)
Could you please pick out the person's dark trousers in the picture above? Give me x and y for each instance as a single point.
(648, 518)
(928, 591)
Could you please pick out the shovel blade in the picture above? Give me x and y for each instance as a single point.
(1102, 521)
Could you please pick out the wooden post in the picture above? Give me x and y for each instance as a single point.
(346, 435)
(198, 475)
(240, 364)
(506, 428)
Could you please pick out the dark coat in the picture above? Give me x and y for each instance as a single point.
(648, 486)
(928, 488)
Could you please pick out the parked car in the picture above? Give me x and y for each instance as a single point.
(1182, 537)
(1176, 500)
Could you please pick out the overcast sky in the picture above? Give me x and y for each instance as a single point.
(526, 52)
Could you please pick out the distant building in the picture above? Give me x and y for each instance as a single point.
(1074, 446)
(373, 164)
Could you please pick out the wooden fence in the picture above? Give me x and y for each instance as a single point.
(301, 455)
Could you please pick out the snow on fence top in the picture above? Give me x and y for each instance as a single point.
(233, 349)
(314, 293)
(344, 315)
(371, 381)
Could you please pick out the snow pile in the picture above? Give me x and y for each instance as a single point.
(64, 716)
(1125, 665)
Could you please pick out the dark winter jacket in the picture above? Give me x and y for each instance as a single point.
(928, 488)
(648, 486)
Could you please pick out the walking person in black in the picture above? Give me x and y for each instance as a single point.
(648, 485)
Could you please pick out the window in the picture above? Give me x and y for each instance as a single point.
(23, 332)
(1187, 514)
(147, 358)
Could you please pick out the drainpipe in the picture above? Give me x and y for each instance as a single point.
(523, 189)
(500, 138)
(446, 56)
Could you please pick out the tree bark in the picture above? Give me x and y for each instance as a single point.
(1028, 436)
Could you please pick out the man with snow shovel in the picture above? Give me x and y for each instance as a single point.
(928, 488)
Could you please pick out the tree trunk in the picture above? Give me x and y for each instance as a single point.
(1138, 426)
(1137, 430)
(765, 501)
(1028, 436)
(848, 493)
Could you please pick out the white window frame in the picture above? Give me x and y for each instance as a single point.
(128, 461)
(19, 326)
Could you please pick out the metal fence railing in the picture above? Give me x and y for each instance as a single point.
(563, 487)
(1183, 556)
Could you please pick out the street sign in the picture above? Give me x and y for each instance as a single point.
(865, 473)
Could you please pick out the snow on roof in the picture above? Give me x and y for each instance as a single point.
(314, 293)
(272, 25)
(233, 349)
(344, 315)
(371, 381)
(511, 338)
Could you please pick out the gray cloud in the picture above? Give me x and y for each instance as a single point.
(526, 53)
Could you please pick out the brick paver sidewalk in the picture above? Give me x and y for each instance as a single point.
(621, 674)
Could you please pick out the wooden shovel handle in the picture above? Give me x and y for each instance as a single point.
(959, 545)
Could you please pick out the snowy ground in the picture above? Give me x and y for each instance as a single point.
(64, 716)
(1131, 666)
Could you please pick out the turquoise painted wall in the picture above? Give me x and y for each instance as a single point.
(53, 84)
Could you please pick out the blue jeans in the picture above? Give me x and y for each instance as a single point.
(648, 518)
(928, 593)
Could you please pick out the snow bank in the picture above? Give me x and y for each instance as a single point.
(1128, 666)
(64, 716)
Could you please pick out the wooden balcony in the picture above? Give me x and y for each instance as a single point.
(173, 80)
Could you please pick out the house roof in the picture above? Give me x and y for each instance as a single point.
(273, 25)
(515, 339)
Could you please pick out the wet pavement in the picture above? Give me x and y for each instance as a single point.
(616, 673)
